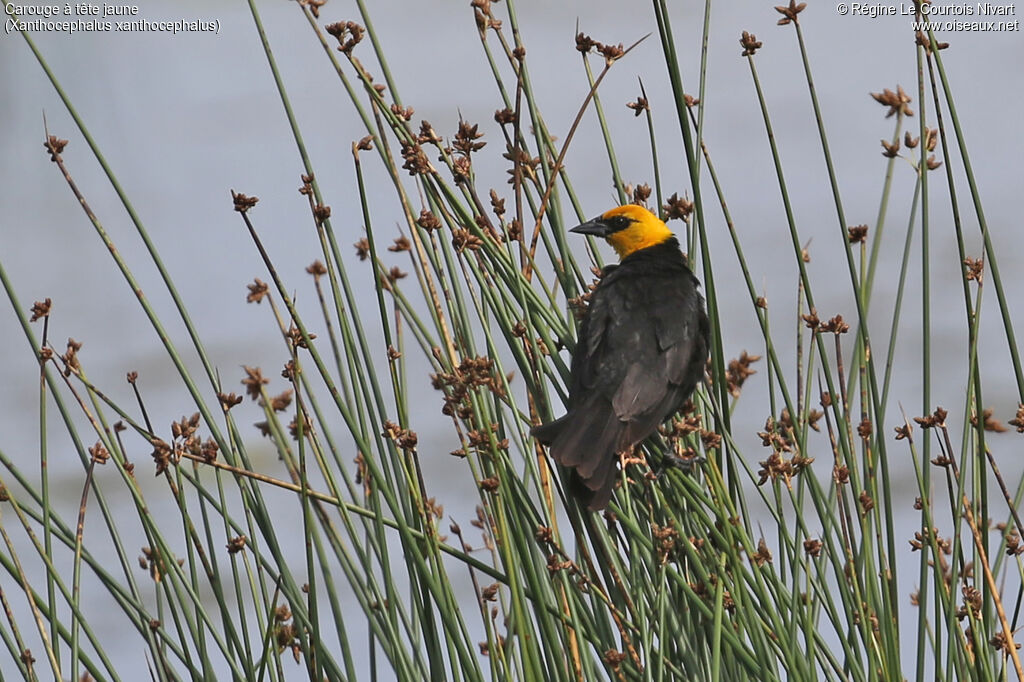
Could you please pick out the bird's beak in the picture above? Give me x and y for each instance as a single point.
(596, 227)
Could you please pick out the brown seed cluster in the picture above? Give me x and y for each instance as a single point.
(935, 419)
(778, 435)
(317, 269)
(471, 373)
(1018, 419)
(988, 422)
(466, 139)
(974, 268)
(707, 593)
(789, 12)
(314, 6)
(55, 146)
(836, 325)
(504, 116)
(400, 244)
(99, 453)
(254, 381)
(763, 555)
(677, 208)
(428, 221)
(185, 441)
(416, 161)
(639, 106)
(228, 400)
(362, 248)
(750, 43)
(738, 371)
(41, 309)
(523, 165)
(348, 34)
(896, 101)
(857, 234)
(70, 357)
(406, 439)
(641, 193)
(464, 239)
(321, 212)
(257, 290)
(484, 17)
(586, 44)
(242, 202)
(279, 402)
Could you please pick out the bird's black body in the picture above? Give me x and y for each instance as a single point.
(641, 351)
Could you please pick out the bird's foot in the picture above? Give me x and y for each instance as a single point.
(688, 464)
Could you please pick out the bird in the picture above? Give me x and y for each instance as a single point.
(641, 349)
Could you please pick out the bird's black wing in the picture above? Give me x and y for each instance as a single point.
(645, 344)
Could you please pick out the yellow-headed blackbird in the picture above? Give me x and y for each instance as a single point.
(641, 351)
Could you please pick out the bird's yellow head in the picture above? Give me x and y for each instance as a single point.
(627, 228)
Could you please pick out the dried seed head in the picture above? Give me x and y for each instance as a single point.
(504, 116)
(497, 204)
(585, 43)
(612, 52)
(639, 106)
(321, 212)
(789, 12)
(41, 309)
(242, 202)
(465, 139)
(857, 234)
(428, 221)
(1018, 419)
(750, 43)
(464, 239)
(362, 248)
(974, 268)
(347, 33)
(228, 400)
(989, 423)
(935, 419)
(404, 113)
(892, 149)
(896, 101)
(836, 325)
(254, 381)
(317, 269)
(416, 161)
(401, 244)
(677, 208)
(738, 371)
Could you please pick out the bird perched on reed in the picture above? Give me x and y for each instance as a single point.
(641, 351)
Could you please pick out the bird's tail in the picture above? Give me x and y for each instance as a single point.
(587, 441)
